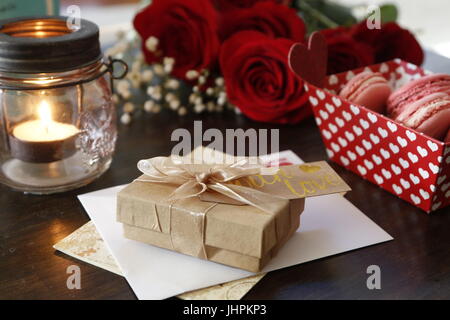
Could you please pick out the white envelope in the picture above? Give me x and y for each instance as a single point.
(329, 225)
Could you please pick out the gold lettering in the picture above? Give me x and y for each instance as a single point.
(263, 180)
(284, 174)
(294, 192)
(307, 186)
(320, 184)
(332, 180)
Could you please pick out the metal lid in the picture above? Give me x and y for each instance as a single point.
(46, 44)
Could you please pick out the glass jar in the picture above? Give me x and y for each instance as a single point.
(57, 118)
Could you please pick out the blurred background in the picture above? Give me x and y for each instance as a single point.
(427, 19)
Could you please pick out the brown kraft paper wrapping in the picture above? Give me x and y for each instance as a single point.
(241, 236)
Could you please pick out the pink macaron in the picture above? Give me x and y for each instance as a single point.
(429, 115)
(416, 90)
(368, 89)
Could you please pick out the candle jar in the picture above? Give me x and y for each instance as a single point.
(57, 118)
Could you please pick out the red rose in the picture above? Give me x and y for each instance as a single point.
(345, 53)
(231, 4)
(270, 18)
(186, 30)
(390, 42)
(258, 80)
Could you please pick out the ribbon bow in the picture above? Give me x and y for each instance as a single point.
(209, 180)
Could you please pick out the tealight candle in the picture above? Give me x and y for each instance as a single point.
(68, 140)
(43, 139)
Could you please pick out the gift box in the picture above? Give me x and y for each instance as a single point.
(407, 163)
(239, 235)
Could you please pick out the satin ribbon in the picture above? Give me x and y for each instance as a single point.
(207, 181)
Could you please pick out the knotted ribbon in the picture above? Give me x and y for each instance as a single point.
(210, 182)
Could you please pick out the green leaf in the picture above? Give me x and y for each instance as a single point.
(323, 14)
(389, 13)
(340, 14)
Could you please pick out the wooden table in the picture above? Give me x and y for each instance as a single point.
(416, 265)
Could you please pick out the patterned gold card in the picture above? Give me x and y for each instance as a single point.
(87, 245)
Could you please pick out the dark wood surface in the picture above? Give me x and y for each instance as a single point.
(416, 265)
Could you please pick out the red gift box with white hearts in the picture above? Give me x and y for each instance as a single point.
(407, 163)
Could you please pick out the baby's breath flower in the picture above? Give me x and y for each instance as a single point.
(192, 74)
(151, 44)
(125, 118)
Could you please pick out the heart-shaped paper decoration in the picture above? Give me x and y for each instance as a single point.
(310, 63)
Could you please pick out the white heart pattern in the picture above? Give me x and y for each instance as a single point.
(404, 163)
(414, 158)
(330, 108)
(411, 135)
(349, 136)
(414, 179)
(324, 115)
(333, 80)
(373, 118)
(400, 160)
(445, 187)
(425, 195)
(394, 148)
(374, 138)
(358, 131)
(364, 124)
(362, 170)
(396, 169)
(423, 152)
(326, 134)
(386, 174)
(436, 206)
(441, 179)
(383, 133)
(367, 145)
(355, 110)
(392, 126)
(330, 153)
(397, 189)
(424, 173)
(313, 101)
(403, 143)
(347, 116)
(377, 159)
(378, 179)
(385, 154)
(433, 146)
(415, 199)
(360, 151)
(352, 155)
(349, 75)
(405, 184)
(333, 128)
(384, 68)
(340, 122)
(369, 165)
(320, 94)
(345, 161)
(342, 142)
(337, 102)
(335, 147)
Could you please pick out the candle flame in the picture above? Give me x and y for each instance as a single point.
(45, 113)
